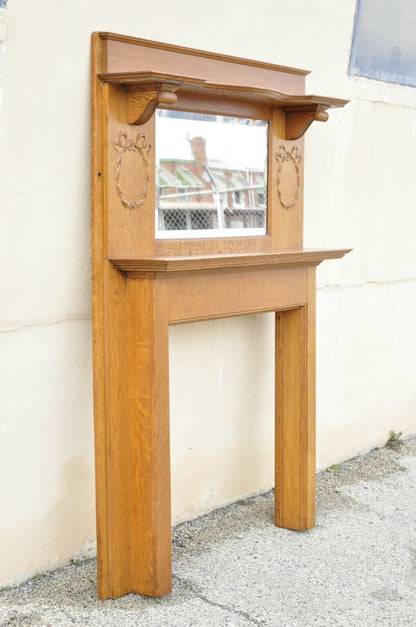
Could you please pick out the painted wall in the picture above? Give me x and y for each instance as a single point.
(360, 192)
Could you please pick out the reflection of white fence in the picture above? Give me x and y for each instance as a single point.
(176, 211)
(196, 218)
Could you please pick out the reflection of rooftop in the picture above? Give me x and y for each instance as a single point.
(176, 160)
(238, 180)
(185, 178)
(220, 165)
(220, 180)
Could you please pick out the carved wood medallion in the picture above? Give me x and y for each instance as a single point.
(122, 145)
(288, 176)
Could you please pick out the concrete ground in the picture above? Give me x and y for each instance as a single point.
(234, 568)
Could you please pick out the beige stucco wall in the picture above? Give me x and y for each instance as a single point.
(360, 192)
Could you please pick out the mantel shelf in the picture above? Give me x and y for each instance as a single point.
(220, 263)
(147, 90)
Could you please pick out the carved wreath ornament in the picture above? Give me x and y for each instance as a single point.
(122, 145)
(284, 159)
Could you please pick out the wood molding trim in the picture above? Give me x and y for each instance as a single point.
(218, 263)
(136, 41)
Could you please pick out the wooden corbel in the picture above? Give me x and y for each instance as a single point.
(143, 99)
(299, 119)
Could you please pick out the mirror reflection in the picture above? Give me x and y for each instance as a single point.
(211, 175)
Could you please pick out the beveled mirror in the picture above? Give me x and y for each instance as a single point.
(211, 175)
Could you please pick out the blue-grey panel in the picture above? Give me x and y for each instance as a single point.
(384, 42)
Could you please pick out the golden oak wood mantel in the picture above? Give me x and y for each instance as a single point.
(146, 277)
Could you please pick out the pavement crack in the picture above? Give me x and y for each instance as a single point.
(197, 592)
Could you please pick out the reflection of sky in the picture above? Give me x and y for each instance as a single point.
(234, 144)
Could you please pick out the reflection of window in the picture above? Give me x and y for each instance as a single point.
(240, 183)
(261, 198)
(384, 42)
(238, 180)
(238, 199)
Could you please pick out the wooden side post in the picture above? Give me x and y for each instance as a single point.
(111, 435)
(132, 442)
(295, 415)
(148, 447)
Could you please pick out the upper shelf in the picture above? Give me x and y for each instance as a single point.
(147, 90)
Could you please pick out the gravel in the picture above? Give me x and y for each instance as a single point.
(233, 568)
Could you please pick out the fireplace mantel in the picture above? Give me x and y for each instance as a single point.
(143, 281)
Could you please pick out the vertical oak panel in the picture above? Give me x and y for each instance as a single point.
(97, 249)
(148, 446)
(295, 417)
(286, 186)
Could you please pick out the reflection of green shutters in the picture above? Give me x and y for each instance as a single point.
(182, 178)
(188, 178)
(167, 179)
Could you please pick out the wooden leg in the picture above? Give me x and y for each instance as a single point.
(132, 443)
(295, 418)
(149, 454)
(111, 435)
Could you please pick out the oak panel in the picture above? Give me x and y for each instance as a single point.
(148, 444)
(295, 415)
(235, 293)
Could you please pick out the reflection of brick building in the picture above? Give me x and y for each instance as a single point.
(201, 194)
